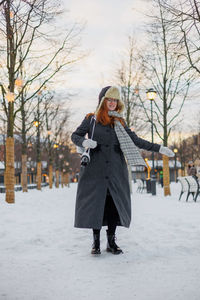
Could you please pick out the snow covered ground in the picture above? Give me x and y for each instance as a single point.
(42, 257)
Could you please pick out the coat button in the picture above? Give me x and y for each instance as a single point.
(107, 161)
(106, 177)
(107, 130)
(107, 145)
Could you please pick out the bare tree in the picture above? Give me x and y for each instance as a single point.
(165, 70)
(185, 15)
(188, 149)
(129, 76)
(51, 112)
(22, 27)
(60, 124)
(56, 119)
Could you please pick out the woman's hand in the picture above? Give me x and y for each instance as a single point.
(166, 151)
(89, 144)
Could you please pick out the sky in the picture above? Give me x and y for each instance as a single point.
(105, 36)
(107, 26)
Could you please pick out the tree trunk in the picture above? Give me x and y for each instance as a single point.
(67, 179)
(62, 179)
(24, 173)
(166, 176)
(57, 178)
(50, 176)
(39, 175)
(10, 171)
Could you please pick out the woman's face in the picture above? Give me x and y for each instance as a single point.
(111, 103)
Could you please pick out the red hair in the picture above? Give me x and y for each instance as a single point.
(104, 118)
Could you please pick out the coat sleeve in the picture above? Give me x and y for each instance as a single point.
(78, 136)
(141, 143)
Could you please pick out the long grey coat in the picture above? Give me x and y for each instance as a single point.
(107, 170)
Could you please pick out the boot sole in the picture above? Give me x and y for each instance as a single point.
(114, 252)
(96, 253)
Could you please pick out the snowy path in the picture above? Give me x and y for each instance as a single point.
(42, 257)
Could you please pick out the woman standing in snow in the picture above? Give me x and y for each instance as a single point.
(103, 195)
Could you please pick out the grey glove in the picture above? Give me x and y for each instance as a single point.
(89, 144)
(166, 151)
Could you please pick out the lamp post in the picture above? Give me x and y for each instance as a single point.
(175, 165)
(37, 126)
(151, 94)
(56, 147)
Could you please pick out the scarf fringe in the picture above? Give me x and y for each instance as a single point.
(129, 149)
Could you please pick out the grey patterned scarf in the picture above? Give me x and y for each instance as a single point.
(129, 149)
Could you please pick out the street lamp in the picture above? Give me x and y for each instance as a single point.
(175, 165)
(151, 94)
(36, 123)
(56, 148)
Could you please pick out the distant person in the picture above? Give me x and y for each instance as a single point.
(161, 178)
(103, 194)
(192, 170)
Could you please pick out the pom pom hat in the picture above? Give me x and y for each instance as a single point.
(111, 92)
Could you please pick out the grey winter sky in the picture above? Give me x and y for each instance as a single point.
(108, 24)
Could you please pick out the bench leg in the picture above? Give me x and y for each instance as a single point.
(187, 196)
(193, 194)
(180, 196)
(195, 199)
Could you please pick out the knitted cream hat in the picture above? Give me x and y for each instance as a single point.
(110, 92)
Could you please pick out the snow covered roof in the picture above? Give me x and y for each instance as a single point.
(16, 137)
(159, 163)
(18, 164)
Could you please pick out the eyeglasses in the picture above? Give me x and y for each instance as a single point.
(112, 100)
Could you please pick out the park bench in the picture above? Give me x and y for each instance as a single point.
(189, 185)
(2, 189)
(141, 185)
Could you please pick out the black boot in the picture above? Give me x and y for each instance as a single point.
(96, 244)
(111, 245)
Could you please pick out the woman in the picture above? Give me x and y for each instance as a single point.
(191, 170)
(103, 195)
